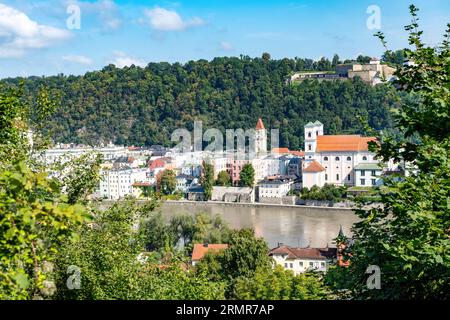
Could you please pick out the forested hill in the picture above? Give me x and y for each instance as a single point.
(142, 106)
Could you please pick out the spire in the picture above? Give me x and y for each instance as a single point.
(260, 124)
(341, 232)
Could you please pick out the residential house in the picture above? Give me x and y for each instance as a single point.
(300, 260)
(200, 250)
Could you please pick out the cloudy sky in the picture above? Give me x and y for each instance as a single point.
(72, 37)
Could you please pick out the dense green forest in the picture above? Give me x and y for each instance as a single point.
(142, 106)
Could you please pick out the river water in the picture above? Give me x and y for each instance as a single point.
(294, 226)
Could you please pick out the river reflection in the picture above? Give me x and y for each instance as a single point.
(299, 226)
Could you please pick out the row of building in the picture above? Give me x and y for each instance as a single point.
(342, 160)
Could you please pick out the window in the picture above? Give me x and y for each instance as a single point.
(309, 134)
(309, 147)
(326, 177)
(310, 264)
(317, 133)
(363, 182)
(349, 158)
(374, 173)
(292, 265)
(285, 265)
(337, 177)
(363, 173)
(337, 159)
(322, 264)
(374, 182)
(325, 159)
(349, 178)
(301, 263)
(364, 158)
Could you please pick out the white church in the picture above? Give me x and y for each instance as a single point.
(338, 159)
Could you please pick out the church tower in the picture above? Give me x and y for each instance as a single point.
(312, 131)
(260, 138)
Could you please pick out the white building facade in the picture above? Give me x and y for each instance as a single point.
(333, 159)
(300, 260)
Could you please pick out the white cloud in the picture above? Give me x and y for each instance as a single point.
(121, 59)
(226, 46)
(18, 33)
(161, 19)
(78, 59)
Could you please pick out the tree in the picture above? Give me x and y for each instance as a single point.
(266, 56)
(363, 59)
(113, 264)
(223, 179)
(35, 216)
(207, 179)
(396, 58)
(335, 61)
(280, 284)
(167, 182)
(246, 253)
(34, 219)
(247, 176)
(408, 238)
(163, 97)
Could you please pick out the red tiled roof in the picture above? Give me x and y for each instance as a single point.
(132, 148)
(280, 150)
(305, 253)
(259, 124)
(314, 167)
(141, 184)
(200, 249)
(297, 153)
(343, 143)
(158, 163)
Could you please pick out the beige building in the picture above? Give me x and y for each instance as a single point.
(373, 72)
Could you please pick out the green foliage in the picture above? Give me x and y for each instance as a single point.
(280, 284)
(13, 126)
(328, 192)
(396, 58)
(78, 176)
(142, 106)
(34, 219)
(247, 176)
(207, 179)
(167, 182)
(409, 237)
(223, 179)
(363, 59)
(113, 264)
(184, 230)
(245, 254)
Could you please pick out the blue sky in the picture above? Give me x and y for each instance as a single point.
(35, 38)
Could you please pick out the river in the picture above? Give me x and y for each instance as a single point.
(294, 226)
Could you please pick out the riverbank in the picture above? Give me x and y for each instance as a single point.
(254, 204)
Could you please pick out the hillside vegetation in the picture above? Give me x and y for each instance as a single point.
(142, 106)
